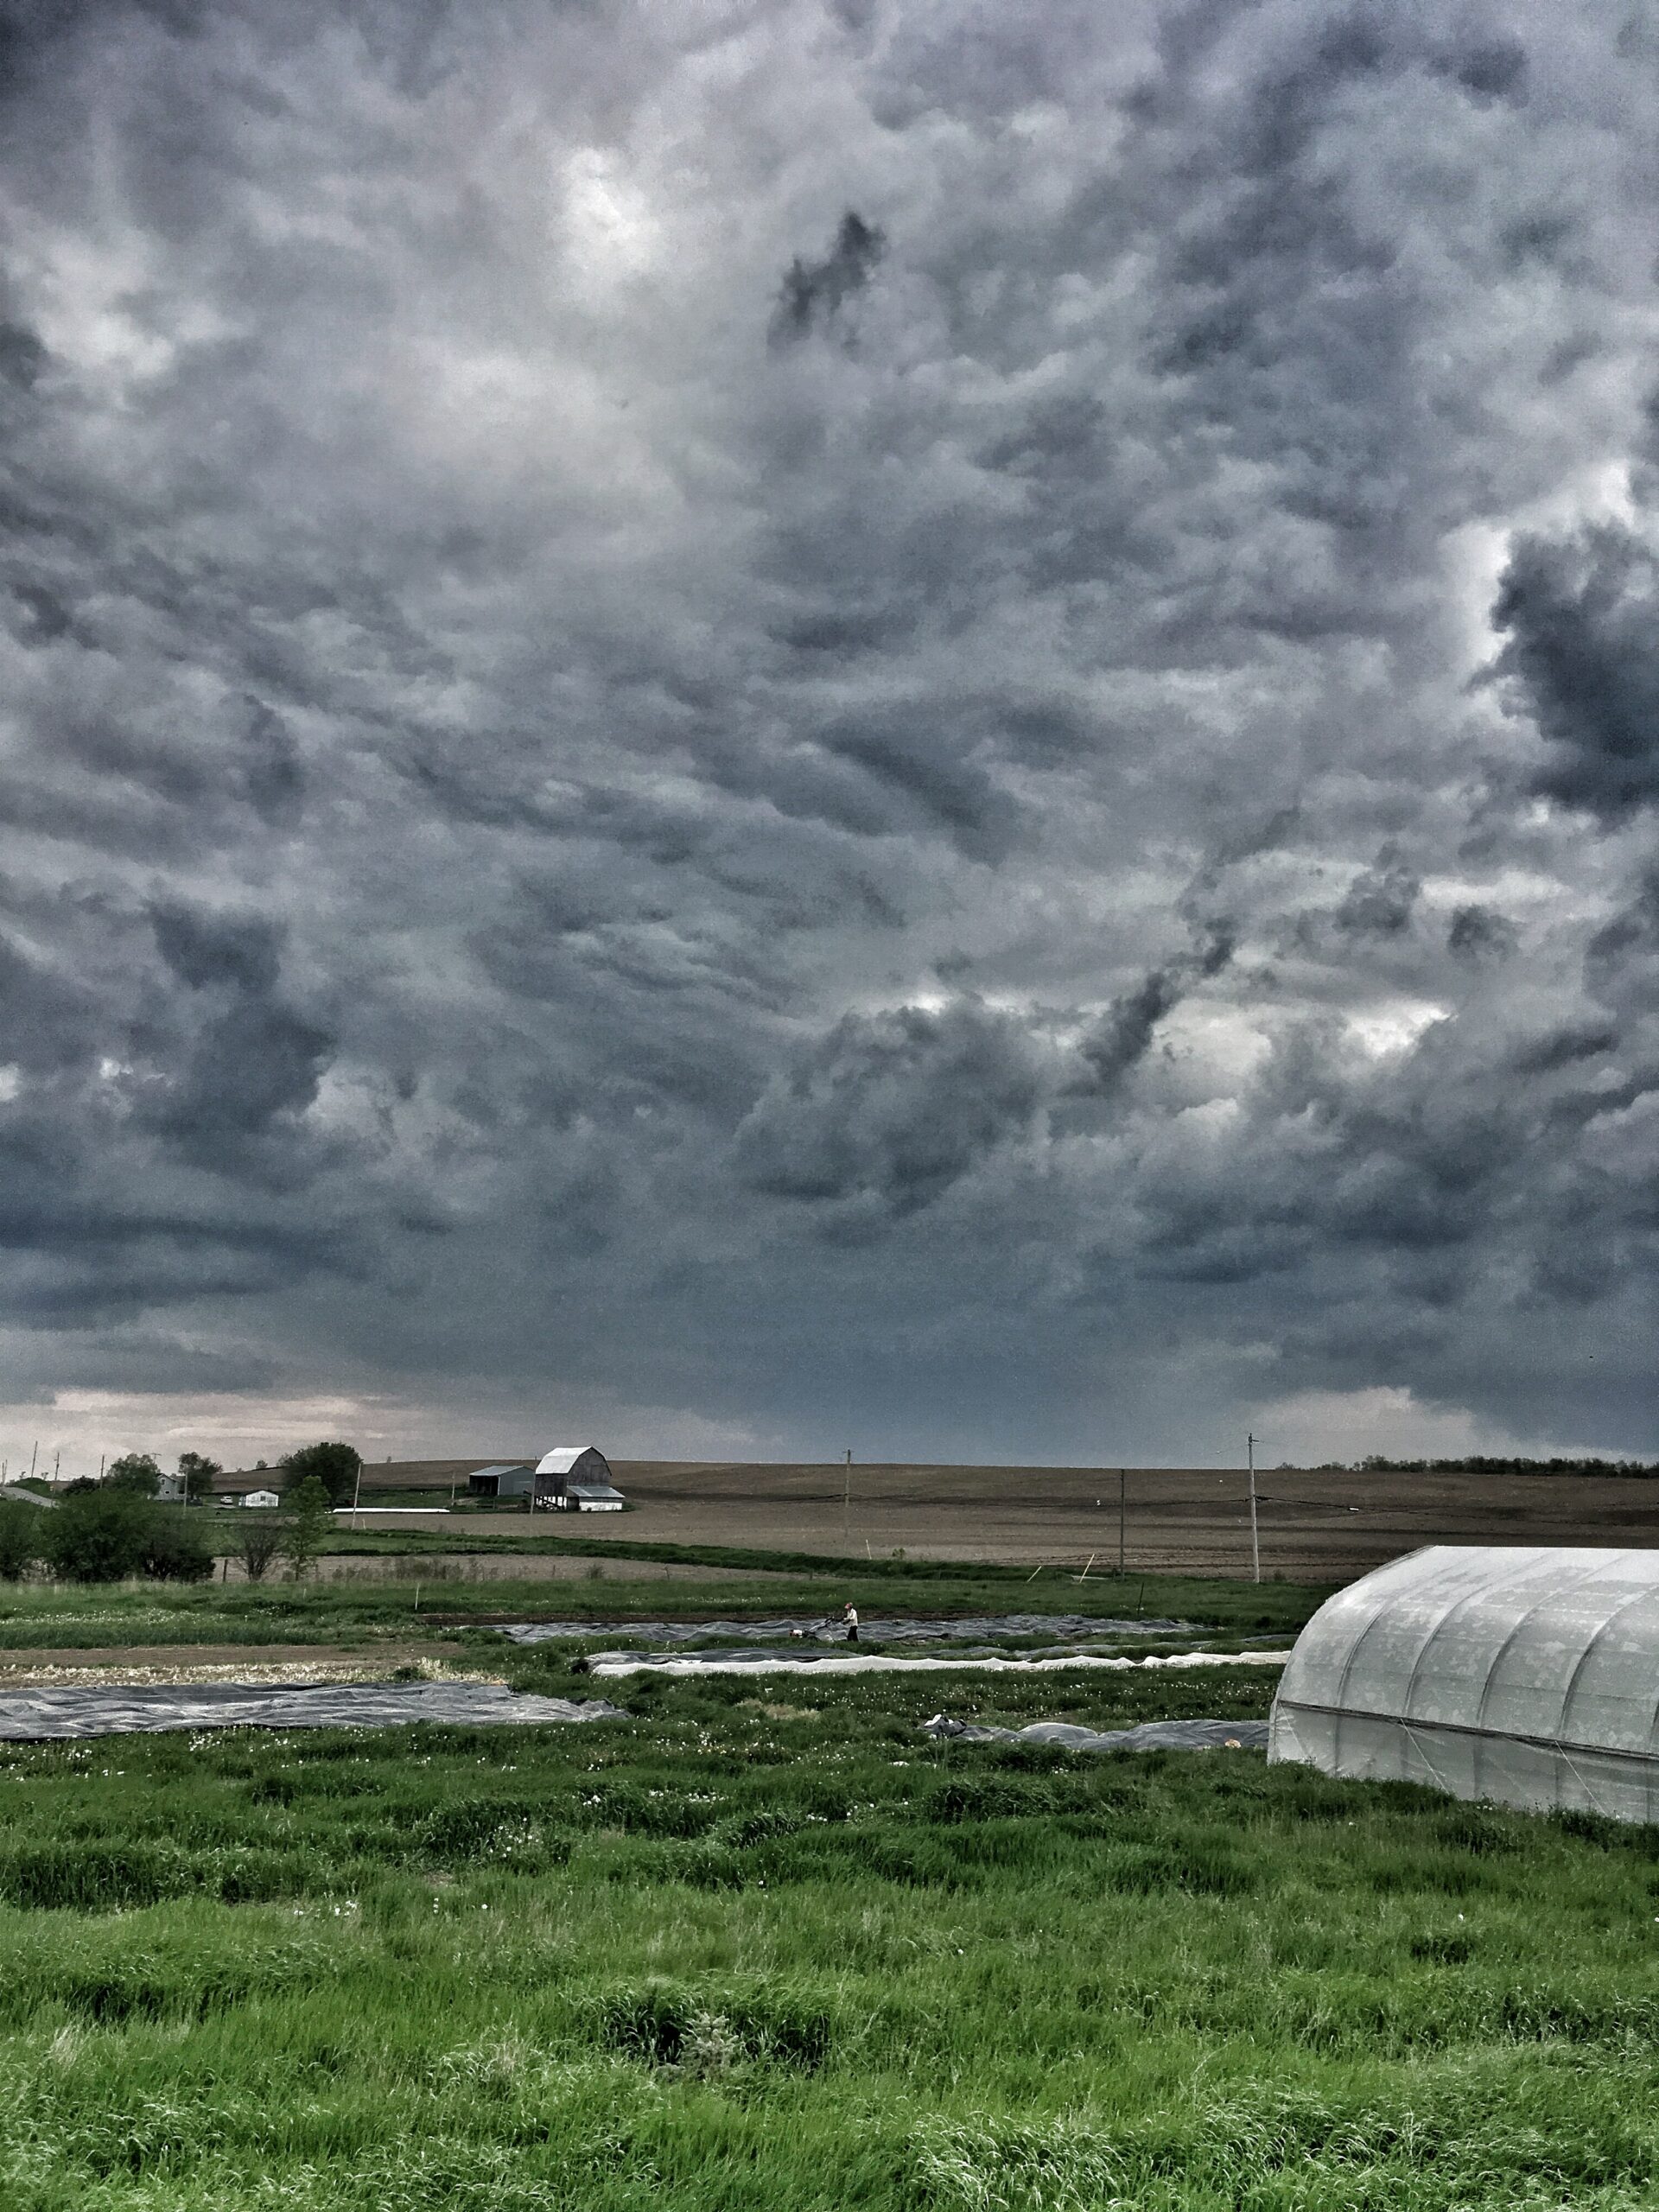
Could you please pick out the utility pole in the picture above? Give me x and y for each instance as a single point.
(1122, 1488)
(356, 1491)
(846, 1496)
(1255, 1545)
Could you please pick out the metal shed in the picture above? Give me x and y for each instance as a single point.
(507, 1481)
(1529, 1675)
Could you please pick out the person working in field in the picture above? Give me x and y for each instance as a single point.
(849, 1614)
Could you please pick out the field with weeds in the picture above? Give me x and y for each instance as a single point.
(770, 1948)
(436, 1597)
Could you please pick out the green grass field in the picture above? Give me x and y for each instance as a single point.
(37, 1616)
(767, 1946)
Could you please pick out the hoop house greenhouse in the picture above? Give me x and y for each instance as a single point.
(1526, 1675)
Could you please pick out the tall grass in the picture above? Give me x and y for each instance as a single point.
(775, 1949)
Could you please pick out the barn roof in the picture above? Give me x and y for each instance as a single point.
(563, 1457)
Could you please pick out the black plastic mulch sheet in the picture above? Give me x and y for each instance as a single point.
(106, 1709)
(1150, 1736)
(979, 1628)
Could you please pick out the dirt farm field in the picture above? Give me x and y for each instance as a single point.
(1313, 1527)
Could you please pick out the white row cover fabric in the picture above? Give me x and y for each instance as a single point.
(609, 1665)
(1526, 1675)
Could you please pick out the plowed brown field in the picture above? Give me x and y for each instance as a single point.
(1313, 1527)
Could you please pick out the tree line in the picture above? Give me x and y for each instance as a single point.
(116, 1528)
(1375, 1463)
(334, 1466)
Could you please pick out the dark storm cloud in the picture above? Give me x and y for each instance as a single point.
(813, 293)
(49, 1018)
(1380, 902)
(1581, 619)
(276, 780)
(1121, 1038)
(246, 1063)
(21, 355)
(1479, 933)
(511, 718)
(1583, 1041)
(252, 1065)
(954, 795)
(1633, 932)
(891, 1109)
(1488, 69)
(243, 951)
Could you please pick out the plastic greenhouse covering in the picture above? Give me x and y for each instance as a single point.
(1530, 1676)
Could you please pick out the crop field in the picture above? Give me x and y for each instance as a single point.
(1315, 1526)
(769, 1946)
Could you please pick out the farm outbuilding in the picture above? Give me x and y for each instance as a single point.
(508, 1481)
(576, 1478)
(1529, 1675)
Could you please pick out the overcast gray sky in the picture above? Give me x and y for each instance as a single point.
(749, 728)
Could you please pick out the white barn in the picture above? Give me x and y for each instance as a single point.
(1525, 1674)
(576, 1478)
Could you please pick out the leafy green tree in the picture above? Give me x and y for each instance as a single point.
(20, 1540)
(334, 1466)
(101, 1535)
(137, 1471)
(310, 1520)
(174, 1550)
(198, 1473)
